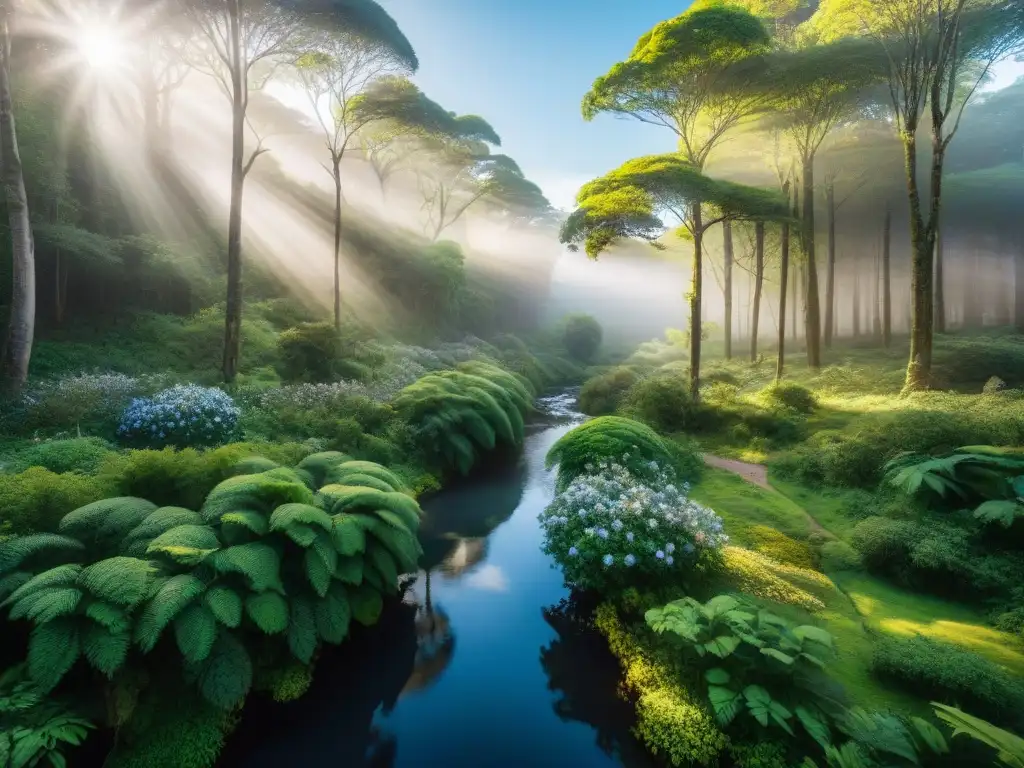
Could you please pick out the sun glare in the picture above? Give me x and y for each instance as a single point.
(101, 47)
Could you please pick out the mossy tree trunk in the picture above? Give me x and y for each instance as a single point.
(830, 279)
(940, 293)
(696, 289)
(755, 310)
(887, 278)
(727, 259)
(812, 306)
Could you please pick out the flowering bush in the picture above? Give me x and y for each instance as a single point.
(181, 416)
(609, 530)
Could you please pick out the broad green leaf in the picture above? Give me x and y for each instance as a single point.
(785, 658)
(816, 726)
(725, 702)
(814, 634)
(723, 645)
(717, 676)
(719, 606)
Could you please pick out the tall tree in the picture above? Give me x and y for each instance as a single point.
(728, 256)
(17, 351)
(239, 43)
(887, 278)
(940, 284)
(336, 77)
(937, 52)
(631, 201)
(755, 310)
(783, 279)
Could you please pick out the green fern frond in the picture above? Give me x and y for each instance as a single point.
(348, 535)
(366, 603)
(333, 615)
(195, 630)
(302, 631)
(258, 493)
(289, 475)
(14, 552)
(171, 599)
(197, 537)
(53, 648)
(367, 469)
(119, 580)
(324, 548)
(253, 465)
(48, 604)
(317, 572)
(106, 615)
(225, 604)
(268, 611)
(257, 561)
(61, 576)
(462, 452)
(340, 499)
(247, 519)
(12, 582)
(106, 521)
(350, 569)
(224, 677)
(381, 560)
(163, 519)
(288, 515)
(401, 544)
(105, 651)
(318, 465)
(354, 478)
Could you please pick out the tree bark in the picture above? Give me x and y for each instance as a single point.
(887, 279)
(856, 306)
(696, 289)
(233, 310)
(337, 243)
(783, 279)
(940, 292)
(755, 311)
(830, 280)
(922, 253)
(22, 322)
(876, 300)
(812, 313)
(727, 258)
(1018, 285)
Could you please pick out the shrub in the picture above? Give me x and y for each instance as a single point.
(83, 454)
(664, 402)
(181, 416)
(581, 337)
(36, 499)
(778, 546)
(884, 545)
(612, 438)
(602, 394)
(938, 671)
(768, 754)
(188, 735)
(319, 352)
(673, 723)
(608, 530)
(753, 661)
(993, 385)
(788, 395)
(839, 556)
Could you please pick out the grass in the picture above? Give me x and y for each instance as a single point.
(823, 504)
(743, 505)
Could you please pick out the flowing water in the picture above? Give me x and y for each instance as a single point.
(485, 664)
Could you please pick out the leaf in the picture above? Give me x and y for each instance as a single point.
(814, 634)
(379, 558)
(350, 570)
(14, 552)
(302, 632)
(765, 709)
(349, 536)
(225, 604)
(722, 646)
(47, 604)
(257, 561)
(999, 511)
(317, 573)
(717, 676)
(170, 600)
(815, 726)
(725, 702)
(119, 580)
(367, 604)
(53, 649)
(720, 605)
(106, 651)
(288, 515)
(61, 576)
(1017, 484)
(110, 616)
(930, 736)
(1009, 746)
(785, 658)
(333, 614)
(195, 630)
(225, 676)
(251, 520)
(268, 611)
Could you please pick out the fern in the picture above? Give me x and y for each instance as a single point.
(105, 523)
(347, 469)
(137, 540)
(333, 614)
(1009, 746)
(173, 596)
(195, 630)
(348, 535)
(257, 493)
(317, 572)
(61, 576)
(342, 498)
(12, 582)
(225, 604)
(15, 552)
(255, 523)
(53, 648)
(288, 515)
(186, 544)
(350, 570)
(268, 611)
(224, 677)
(366, 605)
(253, 465)
(110, 616)
(47, 604)
(318, 465)
(302, 629)
(379, 558)
(257, 561)
(119, 580)
(105, 651)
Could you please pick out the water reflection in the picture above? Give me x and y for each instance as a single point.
(585, 676)
(435, 644)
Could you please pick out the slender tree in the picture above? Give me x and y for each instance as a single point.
(755, 309)
(17, 351)
(940, 292)
(783, 279)
(887, 278)
(631, 201)
(239, 44)
(728, 256)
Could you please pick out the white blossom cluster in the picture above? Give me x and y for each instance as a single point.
(609, 529)
(185, 415)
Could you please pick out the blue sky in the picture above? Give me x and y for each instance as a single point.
(524, 65)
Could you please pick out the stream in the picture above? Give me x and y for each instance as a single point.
(484, 664)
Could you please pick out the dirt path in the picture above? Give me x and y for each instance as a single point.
(752, 473)
(758, 475)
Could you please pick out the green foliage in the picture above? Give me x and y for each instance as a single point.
(664, 401)
(458, 415)
(581, 336)
(603, 394)
(36, 499)
(770, 542)
(789, 395)
(760, 576)
(1009, 746)
(624, 441)
(767, 754)
(671, 720)
(83, 454)
(319, 352)
(882, 739)
(839, 556)
(753, 660)
(951, 674)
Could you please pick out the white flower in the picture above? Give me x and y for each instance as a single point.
(607, 559)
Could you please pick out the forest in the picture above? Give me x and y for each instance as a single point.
(328, 434)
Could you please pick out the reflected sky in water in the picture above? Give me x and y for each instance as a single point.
(482, 666)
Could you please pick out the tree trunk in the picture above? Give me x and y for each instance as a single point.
(695, 300)
(21, 326)
(755, 311)
(856, 306)
(922, 255)
(887, 279)
(1018, 285)
(973, 315)
(783, 279)
(830, 280)
(337, 243)
(233, 311)
(940, 292)
(876, 300)
(727, 257)
(812, 313)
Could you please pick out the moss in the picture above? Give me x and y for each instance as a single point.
(743, 505)
(290, 682)
(764, 578)
(670, 721)
(779, 546)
